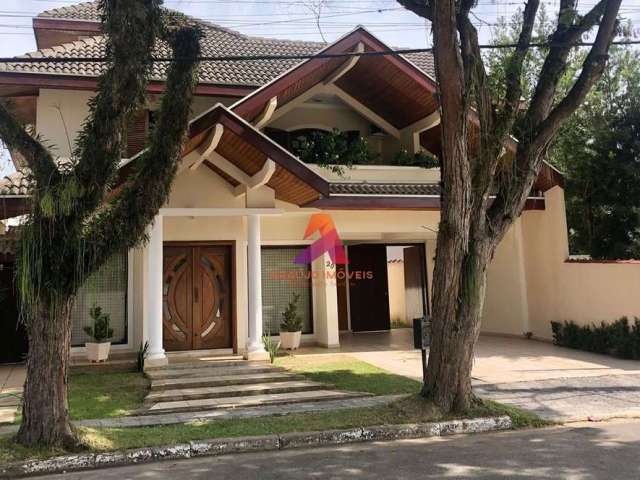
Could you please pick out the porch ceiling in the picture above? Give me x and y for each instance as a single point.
(248, 150)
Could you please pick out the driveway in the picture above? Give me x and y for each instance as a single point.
(11, 382)
(580, 452)
(559, 384)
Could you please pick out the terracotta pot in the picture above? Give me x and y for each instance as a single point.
(98, 352)
(290, 340)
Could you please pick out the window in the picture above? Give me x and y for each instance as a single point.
(106, 288)
(281, 279)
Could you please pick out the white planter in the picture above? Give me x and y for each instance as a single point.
(290, 340)
(98, 352)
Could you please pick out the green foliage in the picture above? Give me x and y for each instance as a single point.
(142, 356)
(291, 320)
(619, 339)
(101, 329)
(421, 159)
(271, 346)
(333, 150)
(597, 148)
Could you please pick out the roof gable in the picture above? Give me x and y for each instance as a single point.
(390, 85)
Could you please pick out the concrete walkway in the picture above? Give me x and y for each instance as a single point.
(580, 452)
(11, 383)
(558, 383)
(228, 413)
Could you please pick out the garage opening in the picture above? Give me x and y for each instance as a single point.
(384, 286)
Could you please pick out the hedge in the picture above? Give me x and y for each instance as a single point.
(619, 339)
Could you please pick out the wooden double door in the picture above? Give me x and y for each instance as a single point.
(197, 297)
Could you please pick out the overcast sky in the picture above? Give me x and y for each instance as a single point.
(291, 19)
(284, 18)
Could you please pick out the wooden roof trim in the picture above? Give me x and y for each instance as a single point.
(66, 24)
(352, 41)
(72, 82)
(373, 202)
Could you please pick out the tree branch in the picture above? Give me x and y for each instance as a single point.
(422, 8)
(131, 28)
(513, 80)
(592, 69)
(555, 65)
(514, 189)
(142, 197)
(38, 158)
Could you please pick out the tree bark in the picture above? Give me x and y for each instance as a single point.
(45, 406)
(459, 285)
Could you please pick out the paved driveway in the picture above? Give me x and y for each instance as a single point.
(558, 383)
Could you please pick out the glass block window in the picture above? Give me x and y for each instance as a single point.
(281, 279)
(106, 288)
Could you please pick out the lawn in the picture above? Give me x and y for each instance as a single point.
(109, 395)
(411, 409)
(347, 373)
(105, 395)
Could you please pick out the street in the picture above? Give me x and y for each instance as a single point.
(584, 451)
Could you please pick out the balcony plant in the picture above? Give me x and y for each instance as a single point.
(291, 326)
(100, 332)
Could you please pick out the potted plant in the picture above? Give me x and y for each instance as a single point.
(291, 326)
(101, 331)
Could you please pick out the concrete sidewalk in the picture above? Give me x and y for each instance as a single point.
(581, 452)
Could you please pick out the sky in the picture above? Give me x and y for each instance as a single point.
(293, 19)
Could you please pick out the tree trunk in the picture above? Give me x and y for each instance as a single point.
(45, 406)
(459, 292)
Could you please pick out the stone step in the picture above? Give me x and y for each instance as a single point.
(211, 371)
(232, 391)
(248, 401)
(220, 380)
(213, 362)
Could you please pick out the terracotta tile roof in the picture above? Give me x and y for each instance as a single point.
(371, 188)
(16, 184)
(79, 11)
(218, 41)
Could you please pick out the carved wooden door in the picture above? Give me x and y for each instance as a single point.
(196, 297)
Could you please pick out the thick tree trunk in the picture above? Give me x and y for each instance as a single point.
(459, 292)
(45, 407)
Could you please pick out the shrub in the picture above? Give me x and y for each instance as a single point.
(619, 339)
(101, 329)
(291, 321)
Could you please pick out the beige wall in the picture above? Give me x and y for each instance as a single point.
(582, 292)
(397, 301)
(60, 114)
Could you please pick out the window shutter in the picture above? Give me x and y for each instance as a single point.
(137, 130)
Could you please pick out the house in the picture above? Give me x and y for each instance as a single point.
(239, 233)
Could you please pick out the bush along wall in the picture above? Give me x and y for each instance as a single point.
(619, 339)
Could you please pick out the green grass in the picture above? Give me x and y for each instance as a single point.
(109, 395)
(411, 409)
(351, 374)
(105, 395)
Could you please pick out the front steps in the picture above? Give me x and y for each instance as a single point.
(229, 383)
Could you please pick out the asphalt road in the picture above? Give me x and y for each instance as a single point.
(607, 450)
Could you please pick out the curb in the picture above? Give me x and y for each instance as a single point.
(222, 446)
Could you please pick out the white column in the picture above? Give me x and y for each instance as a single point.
(326, 303)
(255, 348)
(155, 355)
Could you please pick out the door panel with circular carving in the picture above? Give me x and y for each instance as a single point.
(197, 297)
(177, 303)
(212, 312)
